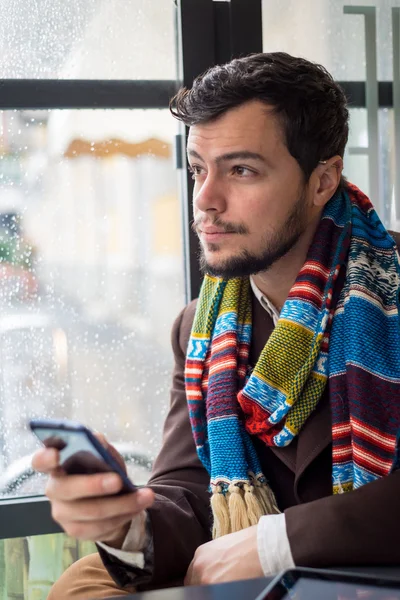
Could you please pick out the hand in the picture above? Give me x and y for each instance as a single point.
(228, 558)
(85, 505)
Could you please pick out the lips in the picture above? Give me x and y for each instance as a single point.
(214, 235)
(213, 230)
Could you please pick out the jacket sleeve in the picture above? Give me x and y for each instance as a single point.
(356, 528)
(180, 517)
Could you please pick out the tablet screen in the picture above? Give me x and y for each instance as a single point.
(317, 589)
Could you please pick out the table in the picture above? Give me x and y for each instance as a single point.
(239, 590)
(235, 590)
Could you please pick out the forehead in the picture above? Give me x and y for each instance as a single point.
(252, 126)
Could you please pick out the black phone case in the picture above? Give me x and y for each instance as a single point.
(80, 462)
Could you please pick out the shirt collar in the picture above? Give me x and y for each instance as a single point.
(265, 303)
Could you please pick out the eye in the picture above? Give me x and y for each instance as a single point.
(242, 171)
(195, 170)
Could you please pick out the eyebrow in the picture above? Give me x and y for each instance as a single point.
(240, 155)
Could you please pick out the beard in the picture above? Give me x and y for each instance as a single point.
(273, 247)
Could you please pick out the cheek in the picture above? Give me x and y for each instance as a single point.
(260, 216)
(270, 208)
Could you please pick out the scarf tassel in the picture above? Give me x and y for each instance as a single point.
(237, 509)
(240, 506)
(253, 504)
(220, 510)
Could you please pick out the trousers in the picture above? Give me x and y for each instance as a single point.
(87, 578)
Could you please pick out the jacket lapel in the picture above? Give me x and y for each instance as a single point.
(317, 431)
(315, 436)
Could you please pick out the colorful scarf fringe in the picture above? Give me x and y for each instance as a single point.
(340, 323)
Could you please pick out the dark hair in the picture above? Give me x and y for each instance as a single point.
(310, 105)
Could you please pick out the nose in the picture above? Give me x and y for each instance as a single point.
(208, 195)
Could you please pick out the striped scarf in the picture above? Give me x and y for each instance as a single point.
(340, 322)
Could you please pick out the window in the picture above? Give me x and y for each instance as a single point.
(333, 34)
(94, 261)
(88, 39)
(90, 233)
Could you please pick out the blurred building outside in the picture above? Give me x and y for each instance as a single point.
(95, 195)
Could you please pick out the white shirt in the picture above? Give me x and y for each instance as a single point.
(265, 303)
(272, 540)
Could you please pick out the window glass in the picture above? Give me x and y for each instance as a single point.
(91, 279)
(87, 39)
(29, 566)
(320, 31)
(356, 156)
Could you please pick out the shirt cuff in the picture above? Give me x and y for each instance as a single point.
(137, 539)
(273, 545)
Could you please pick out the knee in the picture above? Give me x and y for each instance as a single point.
(86, 578)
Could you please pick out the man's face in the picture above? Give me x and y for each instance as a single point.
(250, 200)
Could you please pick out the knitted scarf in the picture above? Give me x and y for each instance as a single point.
(340, 323)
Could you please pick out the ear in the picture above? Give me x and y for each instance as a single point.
(327, 178)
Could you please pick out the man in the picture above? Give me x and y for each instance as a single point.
(289, 362)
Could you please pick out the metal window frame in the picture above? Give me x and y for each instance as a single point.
(26, 94)
(32, 94)
(208, 33)
(21, 517)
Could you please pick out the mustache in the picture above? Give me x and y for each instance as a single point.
(224, 225)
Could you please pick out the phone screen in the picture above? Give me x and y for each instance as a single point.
(77, 453)
(80, 452)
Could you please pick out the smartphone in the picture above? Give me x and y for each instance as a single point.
(81, 453)
(313, 584)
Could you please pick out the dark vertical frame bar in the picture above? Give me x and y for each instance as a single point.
(211, 33)
(246, 27)
(222, 32)
(197, 52)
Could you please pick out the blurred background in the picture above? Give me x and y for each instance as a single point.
(91, 258)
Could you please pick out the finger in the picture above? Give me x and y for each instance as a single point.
(46, 460)
(102, 509)
(94, 530)
(189, 575)
(75, 487)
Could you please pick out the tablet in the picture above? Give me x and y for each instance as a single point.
(315, 584)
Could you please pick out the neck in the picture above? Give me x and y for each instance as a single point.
(276, 282)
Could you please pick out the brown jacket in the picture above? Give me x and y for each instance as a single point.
(358, 528)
